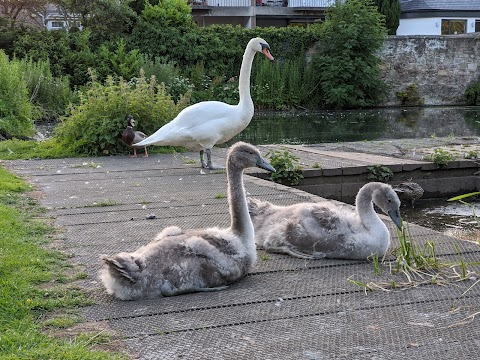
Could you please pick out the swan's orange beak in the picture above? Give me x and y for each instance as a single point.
(266, 52)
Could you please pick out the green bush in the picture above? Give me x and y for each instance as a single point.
(411, 96)
(286, 171)
(219, 48)
(472, 93)
(94, 127)
(51, 95)
(115, 60)
(16, 111)
(348, 70)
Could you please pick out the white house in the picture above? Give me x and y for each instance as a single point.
(439, 17)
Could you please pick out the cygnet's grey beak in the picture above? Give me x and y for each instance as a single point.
(396, 218)
(263, 164)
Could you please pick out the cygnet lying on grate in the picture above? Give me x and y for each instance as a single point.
(182, 261)
(325, 229)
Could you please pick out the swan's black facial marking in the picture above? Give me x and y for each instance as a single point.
(265, 46)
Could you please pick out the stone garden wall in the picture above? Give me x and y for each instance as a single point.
(440, 66)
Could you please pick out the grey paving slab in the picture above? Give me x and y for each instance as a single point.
(286, 308)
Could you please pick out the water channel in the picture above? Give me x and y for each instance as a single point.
(452, 218)
(360, 125)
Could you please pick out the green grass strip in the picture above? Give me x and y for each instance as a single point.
(33, 283)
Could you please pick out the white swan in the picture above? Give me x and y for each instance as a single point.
(130, 136)
(181, 261)
(324, 229)
(202, 125)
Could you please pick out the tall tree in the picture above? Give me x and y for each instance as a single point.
(391, 10)
(345, 61)
(22, 12)
(103, 16)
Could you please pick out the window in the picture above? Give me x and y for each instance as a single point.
(452, 27)
(477, 25)
(57, 24)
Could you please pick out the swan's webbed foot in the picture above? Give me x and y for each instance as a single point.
(296, 253)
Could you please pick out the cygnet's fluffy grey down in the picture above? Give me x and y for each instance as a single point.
(325, 229)
(181, 261)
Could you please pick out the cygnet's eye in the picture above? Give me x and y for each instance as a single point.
(389, 200)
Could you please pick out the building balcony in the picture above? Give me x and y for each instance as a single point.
(322, 4)
(252, 13)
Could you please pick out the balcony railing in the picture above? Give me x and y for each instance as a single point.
(281, 3)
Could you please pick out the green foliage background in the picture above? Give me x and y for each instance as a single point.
(16, 111)
(347, 68)
(94, 126)
(158, 41)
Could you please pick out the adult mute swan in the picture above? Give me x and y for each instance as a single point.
(130, 136)
(181, 261)
(202, 125)
(324, 229)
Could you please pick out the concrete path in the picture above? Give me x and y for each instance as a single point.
(285, 309)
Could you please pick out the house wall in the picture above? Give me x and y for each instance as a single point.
(429, 26)
(441, 66)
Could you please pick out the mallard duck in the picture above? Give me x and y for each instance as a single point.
(326, 229)
(200, 126)
(409, 191)
(130, 136)
(181, 261)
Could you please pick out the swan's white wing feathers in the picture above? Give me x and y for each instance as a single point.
(201, 125)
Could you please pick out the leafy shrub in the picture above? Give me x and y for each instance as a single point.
(348, 70)
(280, 85)
(94, 127)
(16, 111)
(472, 93)
(287, 172)
(440, 157)
(51, 95)
(410, 96)
(379, 173)
(115, 60)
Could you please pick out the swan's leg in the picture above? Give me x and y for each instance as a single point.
(202, 160)
(146, 153)
(209, 161)
(295, 253)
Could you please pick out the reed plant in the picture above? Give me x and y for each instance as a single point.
(419, 265)
(51, 95)
(280, 85)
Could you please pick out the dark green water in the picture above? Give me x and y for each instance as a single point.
(360, 125)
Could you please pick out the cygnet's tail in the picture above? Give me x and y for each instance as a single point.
(124, 266)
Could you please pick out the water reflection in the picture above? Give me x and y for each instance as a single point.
(451, 218)
(360, 125)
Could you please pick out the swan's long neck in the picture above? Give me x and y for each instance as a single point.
(241, 224)
(364, 205)
(244, 79)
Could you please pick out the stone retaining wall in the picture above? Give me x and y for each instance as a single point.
(440, 66)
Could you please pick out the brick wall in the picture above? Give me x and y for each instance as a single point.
(441, 66)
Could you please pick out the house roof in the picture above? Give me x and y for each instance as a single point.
(432, 5)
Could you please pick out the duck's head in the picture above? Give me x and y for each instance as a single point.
(130, 121)
(261, 46)
(387, 200)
